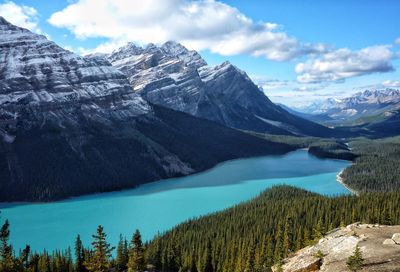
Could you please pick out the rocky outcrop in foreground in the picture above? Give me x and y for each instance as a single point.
(380, 247)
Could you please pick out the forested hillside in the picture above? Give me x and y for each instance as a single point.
(376, 167)
(147, 148)
(376, 162)
(254, 235)
(319, 147)
(71, 125)
(248, 237)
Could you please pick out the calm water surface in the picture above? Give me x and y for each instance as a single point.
(158, 206)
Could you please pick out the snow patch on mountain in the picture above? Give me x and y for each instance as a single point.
(37, 72)
(172, 76)
(362, 104)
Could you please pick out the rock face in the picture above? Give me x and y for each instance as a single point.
(71, 125)
(174, 77)
(337, 246)
(35, 72)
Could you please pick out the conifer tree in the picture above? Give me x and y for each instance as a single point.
(122, 254)
(136, 262)
(386, 217)
(306, 237)
(287, 237)
(7, 262)
(100, 260)
(24, 258)
(269, 253)
(170, 258)
(34, 263)
(44, 263)
(79, 255)
(298, 243)
(69, 263)
(278, 254)
(355, 261)
(154, 254)
(250, 264)
(193, 266)
(317, 231)
(208, 266)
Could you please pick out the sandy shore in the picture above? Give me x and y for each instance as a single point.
(340, 180)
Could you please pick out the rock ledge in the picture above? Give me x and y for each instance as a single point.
(380, 246)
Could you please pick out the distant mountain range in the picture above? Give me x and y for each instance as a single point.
(71, 125)
(175, 77)
(373, 113)
(360, 108)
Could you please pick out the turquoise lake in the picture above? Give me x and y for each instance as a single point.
(158, 206)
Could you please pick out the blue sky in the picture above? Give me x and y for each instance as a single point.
(298, 51)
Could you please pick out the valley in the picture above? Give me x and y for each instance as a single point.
(118, 154)
(82, 119)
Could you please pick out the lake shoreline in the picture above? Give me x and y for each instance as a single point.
(105, 193)
(340, 179)
(162, 205)
(6, 204)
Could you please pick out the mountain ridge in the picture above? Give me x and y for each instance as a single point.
(71, 125)
(357, 107)
(175, 77)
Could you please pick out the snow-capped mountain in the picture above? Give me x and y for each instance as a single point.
(359, 106)
(320, 106)
(71, 125)
(175, 77)
(374, 97)
(36, 73)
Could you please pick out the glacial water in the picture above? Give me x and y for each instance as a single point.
(158, 206)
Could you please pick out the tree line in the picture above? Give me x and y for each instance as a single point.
(97, 258)
(376, 167)
(251, 236)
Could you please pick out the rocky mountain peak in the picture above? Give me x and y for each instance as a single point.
(174, 48)
(132, 48)
(168, 51)
(5, 24)
(376, 93)
(6, 28)
(226, 64)
(151, 48)
(209, 73)
(3, 21)
(36, 72)
(178, 78)
(358, 102)
(72, 125)
(189, 57)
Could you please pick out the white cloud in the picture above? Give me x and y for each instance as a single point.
(391, 83)
(291, 92)
(397, 41)
(203, 24)
(20, 15)
(343, 63)
(270, 84)
(106, 47)
(306, 89)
